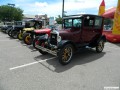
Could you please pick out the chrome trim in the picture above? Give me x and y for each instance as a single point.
(46, 50)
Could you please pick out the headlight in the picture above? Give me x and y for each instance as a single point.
(59, 38)
(46, 36)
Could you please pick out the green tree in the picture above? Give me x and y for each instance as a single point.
(8, 13)
(59, 19)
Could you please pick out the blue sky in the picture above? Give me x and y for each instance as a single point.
(54, 7)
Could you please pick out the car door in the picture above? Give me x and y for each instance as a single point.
(88, 29)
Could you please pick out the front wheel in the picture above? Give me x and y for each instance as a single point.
(41, 43)
(100, 46)
(14, 34)
(20, 36)
(27, 38)
(65, 54)
(34, 41)
(9, 33)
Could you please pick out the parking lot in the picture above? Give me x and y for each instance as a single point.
(24, 68)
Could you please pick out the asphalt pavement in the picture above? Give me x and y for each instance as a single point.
(23, 68)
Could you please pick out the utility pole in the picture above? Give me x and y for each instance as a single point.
(12, 5)
(63, 9)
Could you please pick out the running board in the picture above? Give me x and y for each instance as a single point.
(46, 50)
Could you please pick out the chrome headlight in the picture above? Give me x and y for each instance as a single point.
(58, 38)
(46, 36)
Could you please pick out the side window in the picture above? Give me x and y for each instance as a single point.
(77, 23)
(98, 22)
(68, 23)
(88, 21)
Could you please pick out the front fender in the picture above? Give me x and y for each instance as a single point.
(103, 37)
(62, 43)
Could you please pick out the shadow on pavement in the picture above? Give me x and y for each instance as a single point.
(28, 46)
(82, 57)
(117, 44)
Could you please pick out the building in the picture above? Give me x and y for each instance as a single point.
(43, 18)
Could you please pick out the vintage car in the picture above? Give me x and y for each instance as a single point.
(6, 26)
(33, 24)
(18, 25)
(79, 31)
(30, 35)
(17, 32)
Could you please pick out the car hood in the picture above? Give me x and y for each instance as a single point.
(46, 30)
(66, 34)
(28, 29)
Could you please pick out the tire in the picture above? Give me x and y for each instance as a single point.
(65, 54)
(34, 41)
(42, 52)
(9, 33)
(14, 34)
(100, 46)
(27, 39)
(20, 35)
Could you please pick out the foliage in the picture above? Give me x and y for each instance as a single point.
(59, 19)
(9, 13)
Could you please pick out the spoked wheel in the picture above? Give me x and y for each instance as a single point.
(41, 43)
(14, 34)
(35, 40)
(100, 46)
(27, 39)
(65, 54)
(20, 35)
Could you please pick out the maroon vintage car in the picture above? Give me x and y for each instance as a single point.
(79, 31)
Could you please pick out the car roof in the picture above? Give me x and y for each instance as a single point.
(80, 15)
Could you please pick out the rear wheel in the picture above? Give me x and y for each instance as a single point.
(65, 54)
(27, 38)
(100, 46)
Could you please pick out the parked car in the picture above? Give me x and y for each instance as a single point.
(6, 26)
(18, 25)
(30, 35)
(17, 32)
(79, 31)
(33, 24)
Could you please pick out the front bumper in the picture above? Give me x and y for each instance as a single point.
(46, 50)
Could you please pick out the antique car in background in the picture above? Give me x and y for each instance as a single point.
(18, 25)
(31, 35)
(32, 25)
(6, 26)
(79, 31)
(17, 32)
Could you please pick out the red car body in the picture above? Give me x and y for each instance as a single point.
(42, 31)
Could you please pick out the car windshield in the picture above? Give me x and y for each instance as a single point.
(18, 23)
(73, 22)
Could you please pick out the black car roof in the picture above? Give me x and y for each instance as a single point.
(80, 15)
